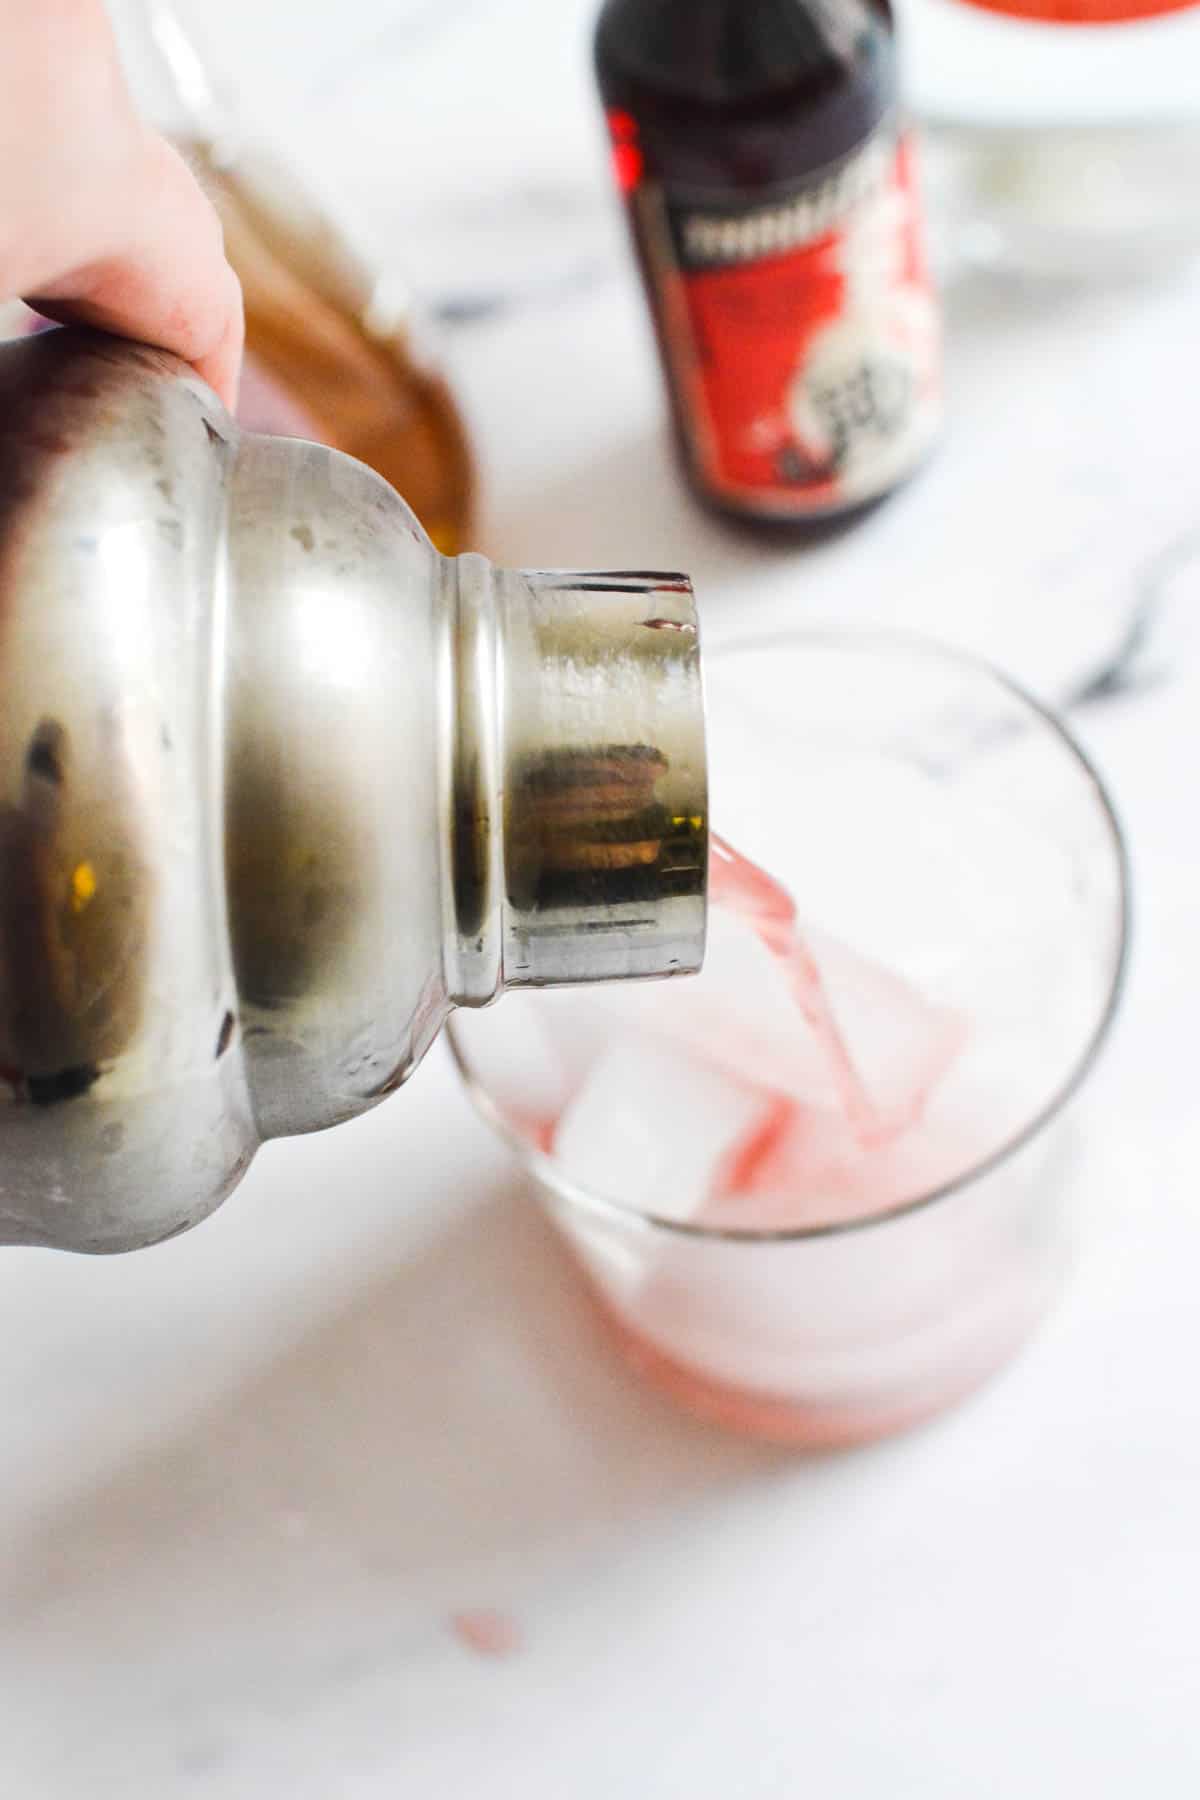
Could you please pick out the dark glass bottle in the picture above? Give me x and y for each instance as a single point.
(771, 194)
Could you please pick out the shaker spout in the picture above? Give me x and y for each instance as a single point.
(602, 784)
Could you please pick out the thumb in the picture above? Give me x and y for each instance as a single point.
(156, 269)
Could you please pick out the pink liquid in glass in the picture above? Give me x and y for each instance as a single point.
(821, 1101)
(743, 888)
(852, 1157)
(745, 1333)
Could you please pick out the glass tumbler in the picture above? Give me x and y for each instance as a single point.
(959, 874)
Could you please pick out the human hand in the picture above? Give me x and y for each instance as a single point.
(101, 221)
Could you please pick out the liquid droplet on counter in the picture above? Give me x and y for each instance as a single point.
(486, 1632)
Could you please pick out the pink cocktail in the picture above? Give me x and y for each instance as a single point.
(817, 1190)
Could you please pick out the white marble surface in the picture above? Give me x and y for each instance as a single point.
(247, 1476)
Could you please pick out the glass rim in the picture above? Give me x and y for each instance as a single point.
(550, 1173)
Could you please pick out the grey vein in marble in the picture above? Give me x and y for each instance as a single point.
(415, 26)
(1140, 660)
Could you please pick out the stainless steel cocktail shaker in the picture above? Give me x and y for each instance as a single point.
(280, 785)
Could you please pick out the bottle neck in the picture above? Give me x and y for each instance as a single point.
(574, 782)
(730, 53)
(744, 96)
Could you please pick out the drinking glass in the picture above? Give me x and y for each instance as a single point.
(930, 814)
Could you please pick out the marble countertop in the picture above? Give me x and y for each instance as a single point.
(250, 1476)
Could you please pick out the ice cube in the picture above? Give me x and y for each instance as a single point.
(757, 1020)
(813, 1169)
(532, 1067)
(739, 1015)
(898, 1045)
(654, 1129)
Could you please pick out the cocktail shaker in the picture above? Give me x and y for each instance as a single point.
(280, 786)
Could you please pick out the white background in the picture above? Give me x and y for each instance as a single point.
(248, 1476)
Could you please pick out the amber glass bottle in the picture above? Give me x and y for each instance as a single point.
(331, 349)
(343, 370)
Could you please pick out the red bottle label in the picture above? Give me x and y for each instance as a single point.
(801, 333)
(1083, 12)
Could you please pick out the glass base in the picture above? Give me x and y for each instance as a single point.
(802, 1424)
